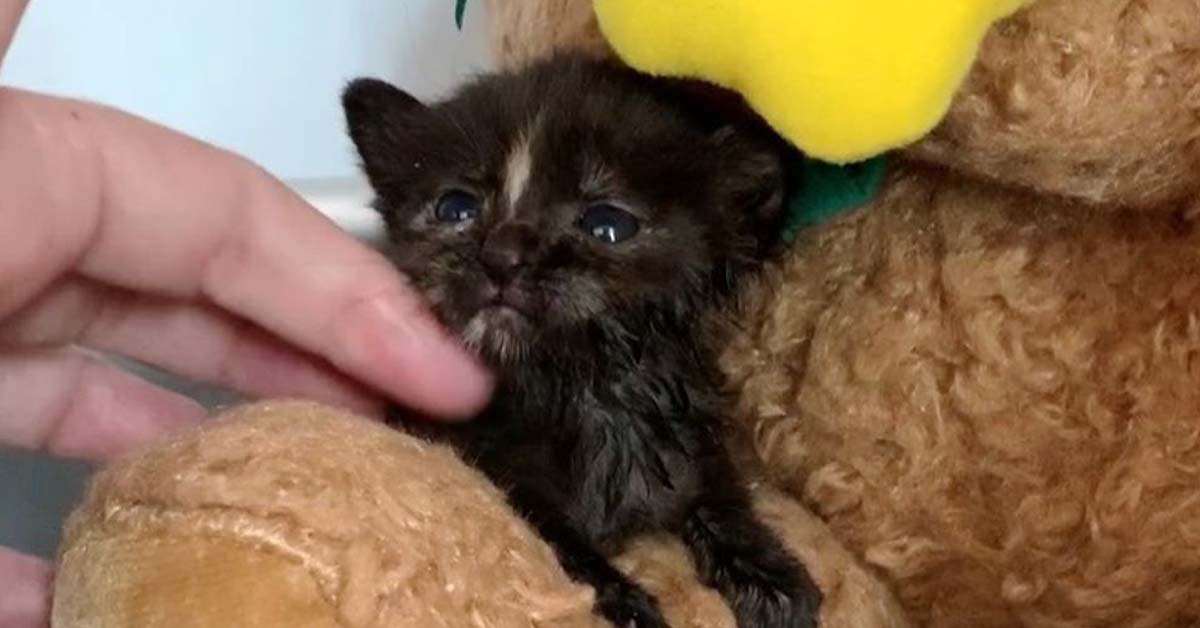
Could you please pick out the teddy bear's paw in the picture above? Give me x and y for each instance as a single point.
(627, 605)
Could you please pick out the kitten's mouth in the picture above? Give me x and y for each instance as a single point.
(501, 310)
(504, 316)
(498, 330)
(503, 321)
(508, 300)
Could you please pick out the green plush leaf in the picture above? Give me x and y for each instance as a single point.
(824, 190)
(460, 9)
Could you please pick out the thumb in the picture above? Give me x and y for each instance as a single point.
(25, 596)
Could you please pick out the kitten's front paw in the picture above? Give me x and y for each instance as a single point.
(629, 606)
(779, 609)
(766, 606)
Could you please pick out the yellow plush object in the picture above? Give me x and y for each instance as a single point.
(843, 80)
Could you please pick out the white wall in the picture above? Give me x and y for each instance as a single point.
(261, 77)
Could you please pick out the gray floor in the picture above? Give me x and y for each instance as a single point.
(37, 492)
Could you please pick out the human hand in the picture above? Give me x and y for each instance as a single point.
(119, 235)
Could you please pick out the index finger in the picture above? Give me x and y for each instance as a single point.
(91, 190)
(10, 16)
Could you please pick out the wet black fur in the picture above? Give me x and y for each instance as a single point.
(607, 418)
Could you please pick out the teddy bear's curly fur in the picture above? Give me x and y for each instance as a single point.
(993, 397)
(1091, 99)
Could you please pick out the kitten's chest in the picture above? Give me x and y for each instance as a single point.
(616, 459)
(632, 474)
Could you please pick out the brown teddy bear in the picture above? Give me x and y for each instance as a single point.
(986, 383)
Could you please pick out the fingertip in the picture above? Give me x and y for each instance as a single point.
(449, 382)
(444, 380)
(470, 385)
(399, 347)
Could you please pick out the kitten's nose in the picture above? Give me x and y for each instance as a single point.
(506, 249)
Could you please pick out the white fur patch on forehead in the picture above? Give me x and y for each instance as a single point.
(518, 166)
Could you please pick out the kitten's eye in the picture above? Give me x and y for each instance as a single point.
(608, 223)
(456, 206)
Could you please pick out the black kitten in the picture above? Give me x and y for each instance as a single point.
(574, 221)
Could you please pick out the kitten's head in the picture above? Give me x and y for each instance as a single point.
(567, 195)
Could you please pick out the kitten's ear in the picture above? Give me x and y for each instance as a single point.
(379, 117)
(752, 179)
